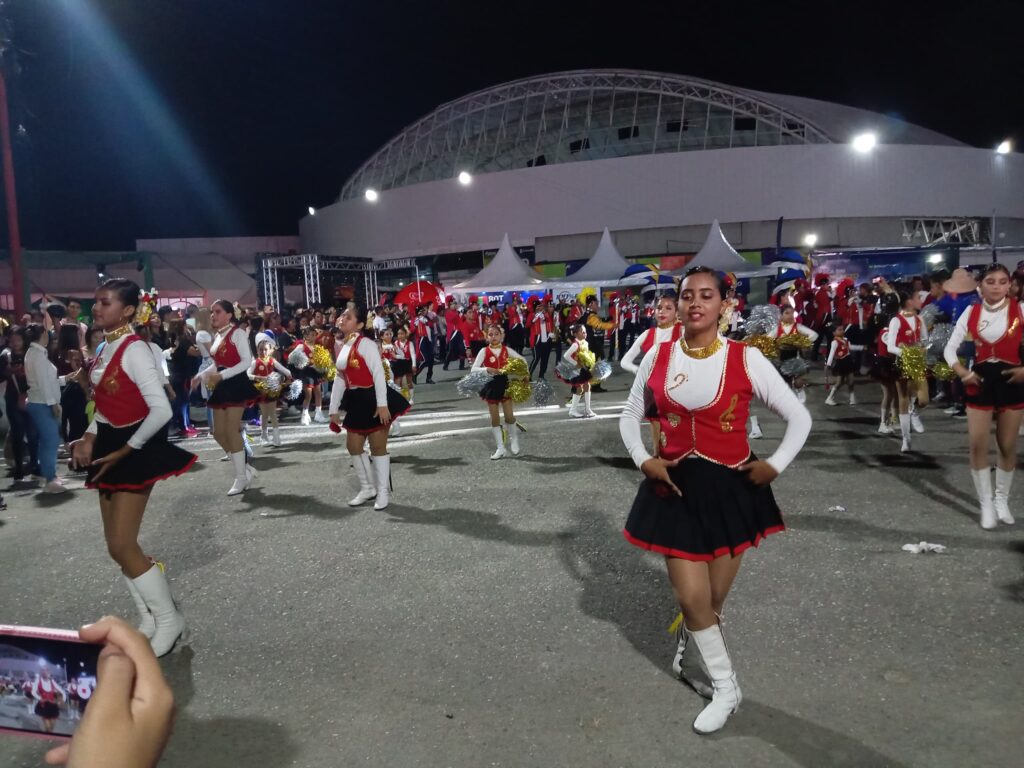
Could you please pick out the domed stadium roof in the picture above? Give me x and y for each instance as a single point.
(598, 114)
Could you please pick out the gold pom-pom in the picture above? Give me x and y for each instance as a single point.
(943, 372)
(794, 341)
(586, 359)
(516, 368)
(270, 386)
(323, 362)
(518, 390)
(769, 348)
(912, 363)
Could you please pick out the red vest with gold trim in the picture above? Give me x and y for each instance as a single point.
(651, 334)
(1005, 349)
(117, 397)
(263, 368)
(908, 334)
(716, 432)
(781, 331)
(357, 374)
(882, 344)
(227, 355)
(842, 349)
(496, 358)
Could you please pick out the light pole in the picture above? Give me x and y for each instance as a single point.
(10, 192)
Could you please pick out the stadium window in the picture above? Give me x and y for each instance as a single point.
(744, 123)
(579, 145)
(629, 132)
(538, 160)
(677, 126)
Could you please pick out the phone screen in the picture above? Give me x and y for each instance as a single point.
(45, 683)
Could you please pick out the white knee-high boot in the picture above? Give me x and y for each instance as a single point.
(727, 696)
(170, 624)
(831, 399)
(364, 471)
(678, 669)
(574, 407)
(499, 441)
(905, 431)
(241, 474)
(147, 625)
(1004, 479)
(513, 437)
(983, 487)
(586, 405)
(382, 469)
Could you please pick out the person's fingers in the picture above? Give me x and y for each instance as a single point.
(133, 644)
(747, 467)
(58, 755)
(115, 675)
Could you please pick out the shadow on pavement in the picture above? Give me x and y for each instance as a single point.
(486, 526)
(425, 465)
(290, 505)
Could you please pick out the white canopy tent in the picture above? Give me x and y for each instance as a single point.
(717, 254)
(506, 272)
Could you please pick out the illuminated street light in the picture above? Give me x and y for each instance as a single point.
(312, 210)
(810, 240)
(1004, 148)
(865, 142)
(465, 178)
(371, 195)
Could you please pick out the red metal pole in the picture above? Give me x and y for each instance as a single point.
(17, 277)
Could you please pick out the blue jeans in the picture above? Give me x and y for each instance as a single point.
(49, 438)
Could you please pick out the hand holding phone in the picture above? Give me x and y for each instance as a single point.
(130, 714)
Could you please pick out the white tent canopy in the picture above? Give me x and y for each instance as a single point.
(606, 264)
(717, 254)
(506, 272)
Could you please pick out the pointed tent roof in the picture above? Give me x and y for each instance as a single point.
(717, 254)
(606, 263)
(506, 271)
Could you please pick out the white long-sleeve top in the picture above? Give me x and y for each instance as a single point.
(161, 361)
(241, 341)
(544, 332)
(203, 342)
(478, 363)
(43, 382)
(701, 384)
(570, 353)
(277, 367)
(400, 352)
(991, 328)
(369, 352)
(140, 366)
(810, 333)
(635, 352)
(894, 332)
(834, 347)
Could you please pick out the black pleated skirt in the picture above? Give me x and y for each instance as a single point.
(360, 406)
(494, 390)
(720, 513)
(995, 393)
(844, 366)
(400, 367)
(236, 392)
(156, 460)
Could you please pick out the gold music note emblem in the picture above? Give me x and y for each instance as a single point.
(353, 362)
(727, 416)
(1013, 326)
(110, 384)
(673, 419)
(679, 380)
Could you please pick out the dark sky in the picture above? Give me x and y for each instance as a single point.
(229, 117)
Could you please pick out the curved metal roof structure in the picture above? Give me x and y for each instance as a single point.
(597, 114)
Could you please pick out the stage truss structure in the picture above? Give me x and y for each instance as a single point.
(312, 265)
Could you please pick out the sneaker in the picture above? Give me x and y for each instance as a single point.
(191, 432)
(915, 422)
(960, 415)
(318, 417)
(55, 486)
(305, 420)
(885, 429)
(829, 400)
(951, 410)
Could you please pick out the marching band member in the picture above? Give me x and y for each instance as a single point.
(259, 371)
(542, 335)
(841, 364)
(370, 405)
(404, 362)
(706, 498)
(907, 329)
(125, 452)
(788, 326)
(994, 388)
(581, 382)
(493, 359)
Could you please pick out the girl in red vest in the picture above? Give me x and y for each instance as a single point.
(841, 364)
(260, 370)
(46, 692)
(668, 329)
(404, 362)
(994, 388)
(492, 359)
(907, 329)
(706, 498)
(580, 383)
(125, 452)
(232, 391)
(370, 405)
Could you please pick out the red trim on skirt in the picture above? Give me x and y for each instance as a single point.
(382, 426)
(720, 552)
(101, 486)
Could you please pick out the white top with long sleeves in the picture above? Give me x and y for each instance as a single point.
(241, 341)
(702, 378)
(834, 347)
(43, 382)
(628, 361)
(478, 363)
(161, 361)
(277, 367)
(139, 365)
(894, 332)
(543, 332)
(810, 333)
(991, 328)
(570, 353)
(369, 352)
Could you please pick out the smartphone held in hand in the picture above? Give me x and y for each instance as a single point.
(47, 677)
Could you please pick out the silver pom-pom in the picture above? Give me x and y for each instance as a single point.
(295, 390)
(543, 393)
(763, 321)
(794, 367)
(298, 358)
(566, 370)
(602, 370)
(938, 337)
(930, 315)
(471, 384)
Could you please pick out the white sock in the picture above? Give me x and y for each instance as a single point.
(238, 460)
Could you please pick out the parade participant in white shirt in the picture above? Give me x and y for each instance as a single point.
(667, 328)
(44, 403)
(907, 329)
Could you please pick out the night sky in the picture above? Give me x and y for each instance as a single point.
(190, 118)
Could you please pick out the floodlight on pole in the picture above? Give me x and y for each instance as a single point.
(935, 258)
(312, 210)
(810, 239)
(1004, 148)
(371, 195)
(865, 142)
(465, 178)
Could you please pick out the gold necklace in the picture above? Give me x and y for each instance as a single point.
(911, 313)
(997, 307)
(701, 353)
(118, 333)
